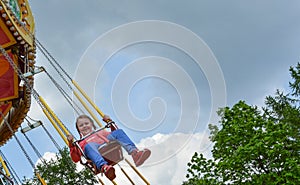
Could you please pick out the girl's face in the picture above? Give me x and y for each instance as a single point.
(85, 126)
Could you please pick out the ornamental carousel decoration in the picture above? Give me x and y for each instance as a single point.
(17, 46)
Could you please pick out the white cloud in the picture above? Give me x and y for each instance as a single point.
(170, 155)
(48, 156)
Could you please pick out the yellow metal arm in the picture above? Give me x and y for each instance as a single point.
(41, 179)
(4, 166)
(88, 99)
(54, 116)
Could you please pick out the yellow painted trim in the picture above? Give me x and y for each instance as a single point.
(8, 34)
(16, 81)
(30, 18)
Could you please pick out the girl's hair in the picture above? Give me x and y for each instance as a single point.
(84, 116)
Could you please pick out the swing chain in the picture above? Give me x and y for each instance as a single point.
(18, 141)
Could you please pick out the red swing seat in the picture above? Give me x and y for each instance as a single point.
(111, 152)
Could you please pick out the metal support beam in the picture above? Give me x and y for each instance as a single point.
(35, 71)
(32, 126)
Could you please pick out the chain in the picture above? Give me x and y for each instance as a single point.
(46, 53)
(50, 58)
(47, 132)
(51, 138)
(27, 84)
(18, 141)
(75, 107)
(13, 172)
(19, 72)
(35, 149)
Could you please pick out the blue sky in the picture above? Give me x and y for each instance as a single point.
(161, 83)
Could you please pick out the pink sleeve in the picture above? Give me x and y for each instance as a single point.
(74, 153)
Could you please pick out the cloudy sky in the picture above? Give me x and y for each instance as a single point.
(161, 69)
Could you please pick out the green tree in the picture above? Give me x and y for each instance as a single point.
(252, 145)
(62, 171)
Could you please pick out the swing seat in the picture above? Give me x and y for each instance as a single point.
(111, 152)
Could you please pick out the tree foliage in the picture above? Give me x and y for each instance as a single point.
(252, 145)
(61, 171)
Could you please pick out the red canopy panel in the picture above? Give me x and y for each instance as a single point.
(8, 79)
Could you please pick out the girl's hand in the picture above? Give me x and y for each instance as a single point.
(70, 138)
(106, 118)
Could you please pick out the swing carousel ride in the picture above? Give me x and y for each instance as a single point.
(17, 70)
(17, 42)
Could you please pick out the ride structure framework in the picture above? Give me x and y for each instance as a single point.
(17, 39)
(17, 70)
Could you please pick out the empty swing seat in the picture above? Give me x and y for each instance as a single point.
(111, 152)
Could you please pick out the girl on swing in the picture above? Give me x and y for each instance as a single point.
(85, 127)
